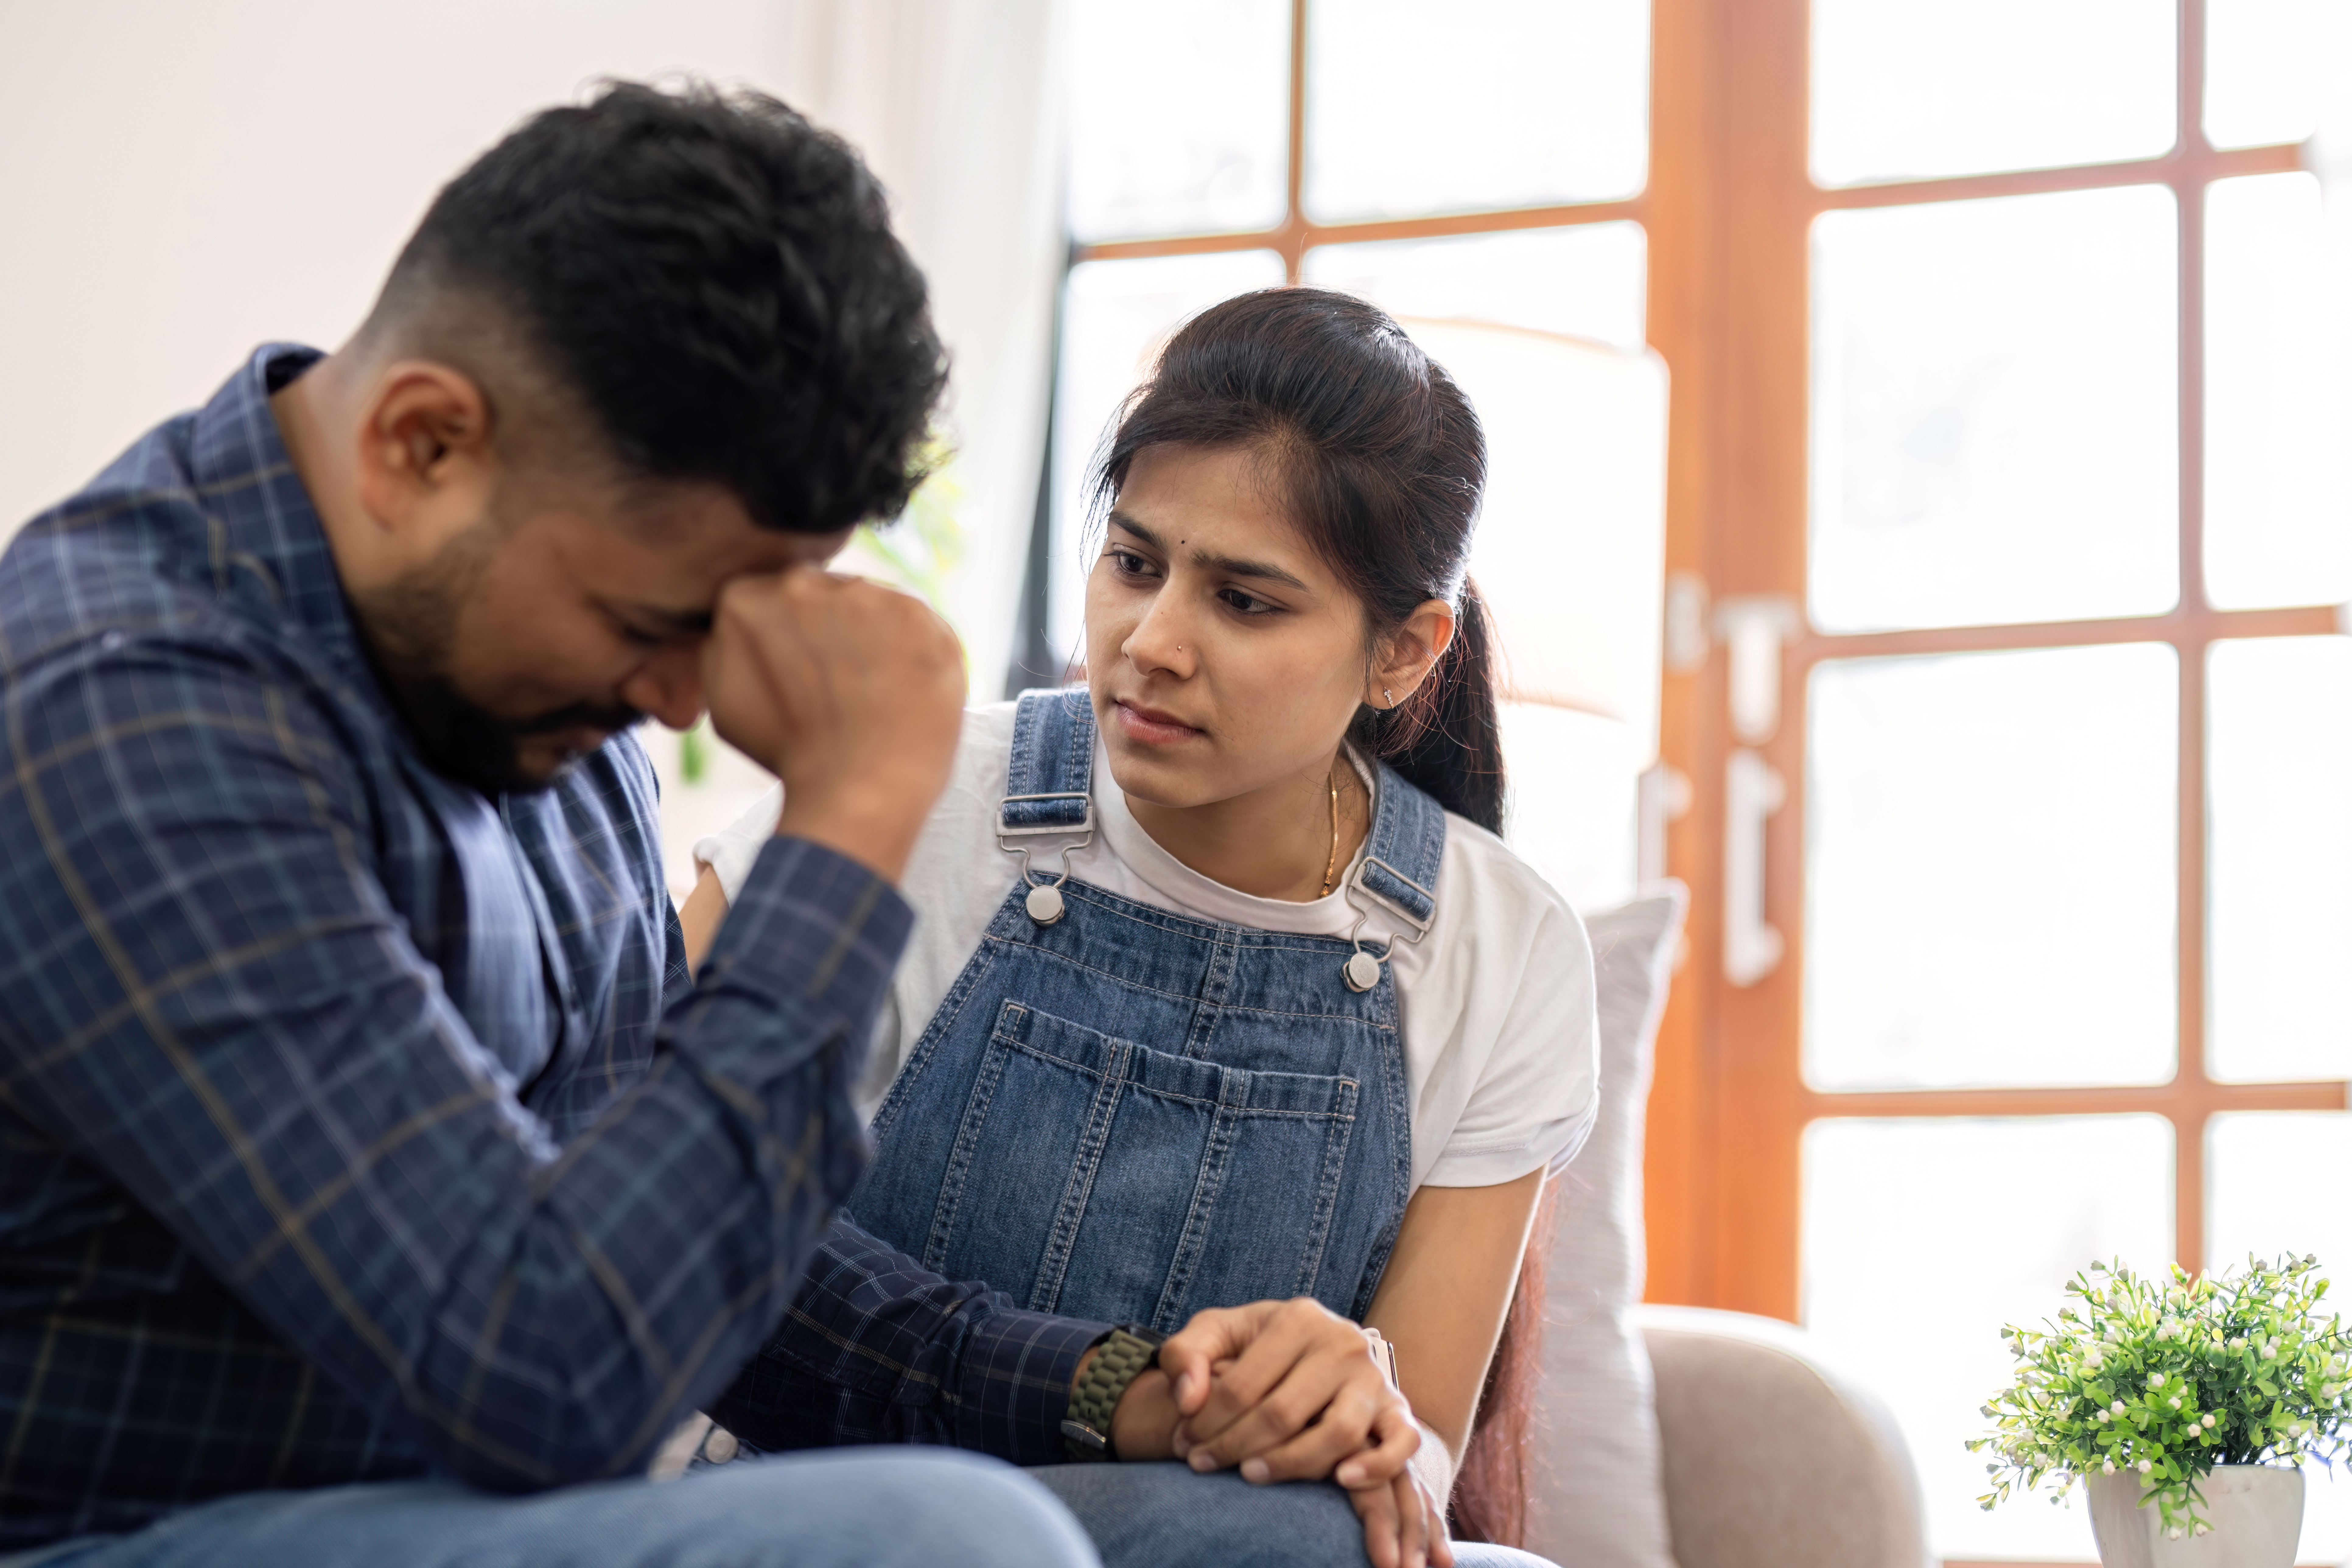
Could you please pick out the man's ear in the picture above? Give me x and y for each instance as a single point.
(1412, 651)
(426, 467)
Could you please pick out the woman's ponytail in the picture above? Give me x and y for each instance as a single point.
(1444, 739)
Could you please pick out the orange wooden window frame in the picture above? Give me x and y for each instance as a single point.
(1728, 211)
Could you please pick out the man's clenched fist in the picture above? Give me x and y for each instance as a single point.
(850, 692)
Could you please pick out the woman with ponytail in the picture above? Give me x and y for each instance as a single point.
(1225, 989)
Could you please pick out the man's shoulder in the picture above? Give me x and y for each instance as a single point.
(115, 557)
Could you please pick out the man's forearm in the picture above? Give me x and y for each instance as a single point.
(878, 1349)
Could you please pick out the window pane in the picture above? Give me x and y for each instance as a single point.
(1994, 431)
(1586, 282)
(2278, 395)
(1415, 109)
(1907, 89)
(1990, 842)
(1923, 1237)
(1180, 116)
(1115, 316)
(2265, 67)
(2274, 1184)
(2280, 766)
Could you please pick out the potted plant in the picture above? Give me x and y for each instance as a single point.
(2184, 1405)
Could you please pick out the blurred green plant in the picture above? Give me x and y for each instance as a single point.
(2169, 1378)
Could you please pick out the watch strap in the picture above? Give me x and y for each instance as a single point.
(1126, 1352)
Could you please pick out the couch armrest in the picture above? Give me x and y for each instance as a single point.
(1773, 1460)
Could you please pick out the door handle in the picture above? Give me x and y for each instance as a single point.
(1752, 792)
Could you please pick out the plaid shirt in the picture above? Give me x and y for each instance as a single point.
(353, 1126)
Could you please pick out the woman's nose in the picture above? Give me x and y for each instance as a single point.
(1161, 641)
(668, 685)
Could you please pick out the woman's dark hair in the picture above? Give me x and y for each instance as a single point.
(715, 281)
(1378, 458)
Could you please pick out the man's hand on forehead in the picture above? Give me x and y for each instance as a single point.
(850, 692)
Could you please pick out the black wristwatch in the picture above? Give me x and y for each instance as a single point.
(1126, 1351)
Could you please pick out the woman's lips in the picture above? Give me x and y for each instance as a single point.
(1150, 727)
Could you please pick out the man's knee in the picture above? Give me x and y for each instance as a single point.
(883, 1506)
(1164, 1516)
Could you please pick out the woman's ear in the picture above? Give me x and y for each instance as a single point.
(1412, 651)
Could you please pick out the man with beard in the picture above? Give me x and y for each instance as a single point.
(365, 1150)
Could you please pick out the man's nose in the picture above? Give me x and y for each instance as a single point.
(668, 685)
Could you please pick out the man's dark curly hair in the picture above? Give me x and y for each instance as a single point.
(713, 280)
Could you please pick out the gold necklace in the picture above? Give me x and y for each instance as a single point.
(1331, 861)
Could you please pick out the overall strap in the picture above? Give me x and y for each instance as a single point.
(1397, 875)
(1047, 782)
(1046, 787)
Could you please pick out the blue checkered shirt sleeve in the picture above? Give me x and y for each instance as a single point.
(878, 1349)
(208, 994)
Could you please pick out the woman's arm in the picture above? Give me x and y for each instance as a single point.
(1443, 1300)
(699, 916)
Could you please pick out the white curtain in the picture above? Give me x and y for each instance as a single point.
(955, 105)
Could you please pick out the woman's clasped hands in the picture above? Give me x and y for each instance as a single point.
(1290, 1391)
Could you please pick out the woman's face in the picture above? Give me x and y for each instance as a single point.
(1223, 657)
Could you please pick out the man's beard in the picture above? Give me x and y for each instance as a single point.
(408, 628)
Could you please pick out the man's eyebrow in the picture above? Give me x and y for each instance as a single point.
(1230, 565)
(676, 623)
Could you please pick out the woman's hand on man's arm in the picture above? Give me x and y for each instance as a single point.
(1290, 1391)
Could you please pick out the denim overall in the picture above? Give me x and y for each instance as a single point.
(1125, 1114)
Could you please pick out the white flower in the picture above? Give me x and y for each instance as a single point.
(2144, 1466)
(2204, 1529)
(2269, 1351)
(2238, 1343)
(2174, 1533)
(2118, 1408)
(2156, 1380)
(2103, 1417)
(2209, 1420)
(2107, 1467)
(2174, 1402)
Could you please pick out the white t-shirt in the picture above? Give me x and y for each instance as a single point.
(1495, 1003)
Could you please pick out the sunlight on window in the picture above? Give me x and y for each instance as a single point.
(1415, 109)
(1922, 1238)
(1178, 116)
(1586, 282)
(1915, 88)
(1989, 869)
(1994, 430)
(2278, 394)
(2279, 740)
(2266, 67)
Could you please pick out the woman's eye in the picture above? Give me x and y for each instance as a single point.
(636, 639)
(1247, 604)
(1128, 563)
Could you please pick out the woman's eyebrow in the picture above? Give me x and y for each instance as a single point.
(1230, 565)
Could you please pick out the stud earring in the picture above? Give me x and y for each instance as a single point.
(1389, 695)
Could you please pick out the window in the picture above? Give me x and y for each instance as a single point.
(2004, 392)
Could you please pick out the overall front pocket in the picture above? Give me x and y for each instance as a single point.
(1097, 1177)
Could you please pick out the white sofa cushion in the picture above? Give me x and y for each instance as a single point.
(1597, 1488)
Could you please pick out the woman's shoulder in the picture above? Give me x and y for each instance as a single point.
(1486, 891)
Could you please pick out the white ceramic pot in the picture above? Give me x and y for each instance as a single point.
(2257, 1513)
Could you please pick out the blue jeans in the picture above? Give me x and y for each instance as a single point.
(1164, 1516)
(861, 1508)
